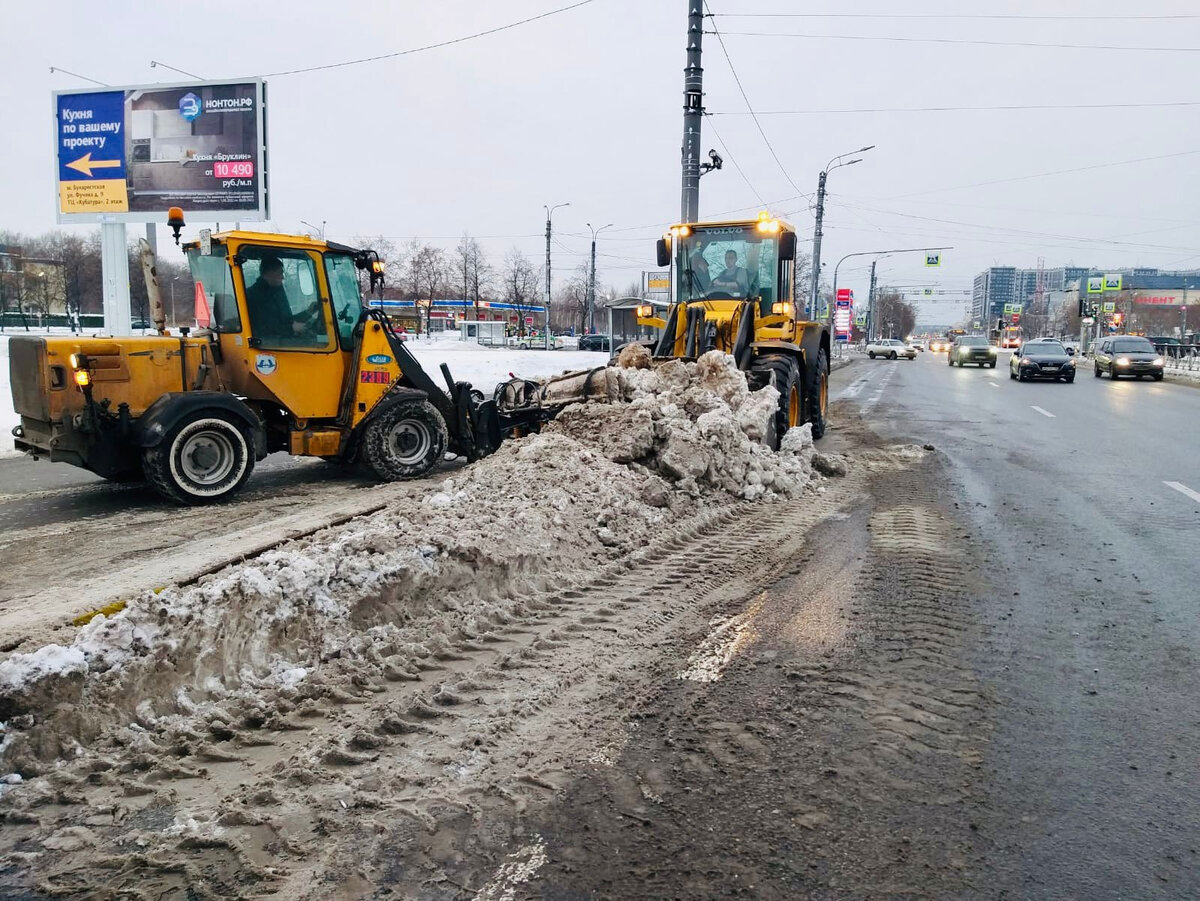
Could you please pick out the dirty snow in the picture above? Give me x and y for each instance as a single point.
(381, 597)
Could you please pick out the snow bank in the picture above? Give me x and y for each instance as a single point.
(377, 595)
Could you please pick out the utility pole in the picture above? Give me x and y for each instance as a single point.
(871, 305)
(549, 214)
(591, 303)
(693, 113)
(814, 293)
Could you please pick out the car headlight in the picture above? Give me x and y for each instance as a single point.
(1123, 361)
(1028, 362)
(1158, 361)
(1071, 362)
(991, 350)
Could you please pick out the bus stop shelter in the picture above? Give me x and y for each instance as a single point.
(622, 321)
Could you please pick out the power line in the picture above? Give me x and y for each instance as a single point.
(412, 50)
(952, 109)
(750, 108)
(736, 165)
(1000, 181)
(1083, 18)
(895, 39)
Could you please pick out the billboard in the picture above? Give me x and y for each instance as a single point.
(658, 282)
(129, 154)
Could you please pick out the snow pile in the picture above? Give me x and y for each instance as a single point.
(696, 424)
(375, 597)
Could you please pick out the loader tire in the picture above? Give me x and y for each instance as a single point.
(204, 458)
(404, 441)
(783, 372)
(818, 396)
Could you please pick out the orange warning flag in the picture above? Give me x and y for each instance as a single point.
(203, 313)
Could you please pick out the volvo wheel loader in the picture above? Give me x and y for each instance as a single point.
(733, 288)
(291, 360)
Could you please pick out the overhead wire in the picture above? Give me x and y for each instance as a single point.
(954, 109)
(963, 41)
(433, 46)
(960, 16)
(750, 108)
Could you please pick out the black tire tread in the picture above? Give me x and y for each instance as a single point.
(373, 449)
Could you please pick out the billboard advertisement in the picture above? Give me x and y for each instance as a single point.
(842, 315)
(129, 154)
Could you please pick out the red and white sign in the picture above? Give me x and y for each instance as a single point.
(845, 294)
(233, 169)
(1158, 298)
(529, 320)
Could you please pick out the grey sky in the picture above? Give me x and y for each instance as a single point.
(585, 107)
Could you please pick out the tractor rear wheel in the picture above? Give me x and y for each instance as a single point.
(784, 373)
(404, 441)
(818, 395)
(205, 457)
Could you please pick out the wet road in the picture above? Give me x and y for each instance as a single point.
(1086, 496)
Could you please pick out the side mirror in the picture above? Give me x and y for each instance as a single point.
(1070, 351)
(787, 246)
(663, 250)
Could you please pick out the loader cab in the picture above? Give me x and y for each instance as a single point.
(748, 260)
(284, 310)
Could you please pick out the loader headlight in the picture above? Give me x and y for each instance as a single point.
(83, 378)
(645, 311)
(782, 308)
(78, 361)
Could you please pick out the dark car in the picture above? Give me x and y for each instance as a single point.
(593, 342)
(972, 349)
(1120, 355)
(1042, 360)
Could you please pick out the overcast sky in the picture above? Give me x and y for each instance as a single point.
(585, 107)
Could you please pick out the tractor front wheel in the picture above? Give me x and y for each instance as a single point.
(404, 441)
(818, 396)
(204, 458)
(784, 373)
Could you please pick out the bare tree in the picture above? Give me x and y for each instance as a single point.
(894, 317)
(472, 270)
(521, 285)
(570, 305)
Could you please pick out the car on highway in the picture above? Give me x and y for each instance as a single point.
(917, 344)
(890, 348)
(1120, 355)
(971, 349)
(939, 345)
(1045, 359)
(593, 342)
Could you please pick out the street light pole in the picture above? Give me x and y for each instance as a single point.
(591, 303)
(549, 214)
(874, 253)
(834, 163)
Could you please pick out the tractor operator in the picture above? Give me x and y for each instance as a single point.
(733, 279)
(270, 311)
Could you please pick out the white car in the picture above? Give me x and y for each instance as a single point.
(534, 342)
(890, 348)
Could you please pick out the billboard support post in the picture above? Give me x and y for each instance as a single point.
(114, 262)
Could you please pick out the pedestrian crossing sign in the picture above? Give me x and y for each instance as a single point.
(1095, 284)
(933, 258)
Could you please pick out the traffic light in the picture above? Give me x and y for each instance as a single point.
(999, 325)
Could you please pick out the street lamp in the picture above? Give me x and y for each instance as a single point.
(874, 253)
(591, 302)
(314, 228)
(836, 163)
(549, 215)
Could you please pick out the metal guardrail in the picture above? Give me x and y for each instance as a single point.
(1180, 356)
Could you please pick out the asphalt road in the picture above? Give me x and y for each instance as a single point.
(1087, 498)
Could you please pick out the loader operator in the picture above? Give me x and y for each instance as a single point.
(734, 279)
(271, 313)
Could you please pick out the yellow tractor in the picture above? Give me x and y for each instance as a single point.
(291, 361)
(733, 288)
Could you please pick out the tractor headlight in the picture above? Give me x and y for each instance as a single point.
(782, 308)
(83, 378)
(78, 361)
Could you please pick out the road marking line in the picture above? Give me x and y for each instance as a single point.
(994, 384)
(1043, 412)
(1184, 490)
